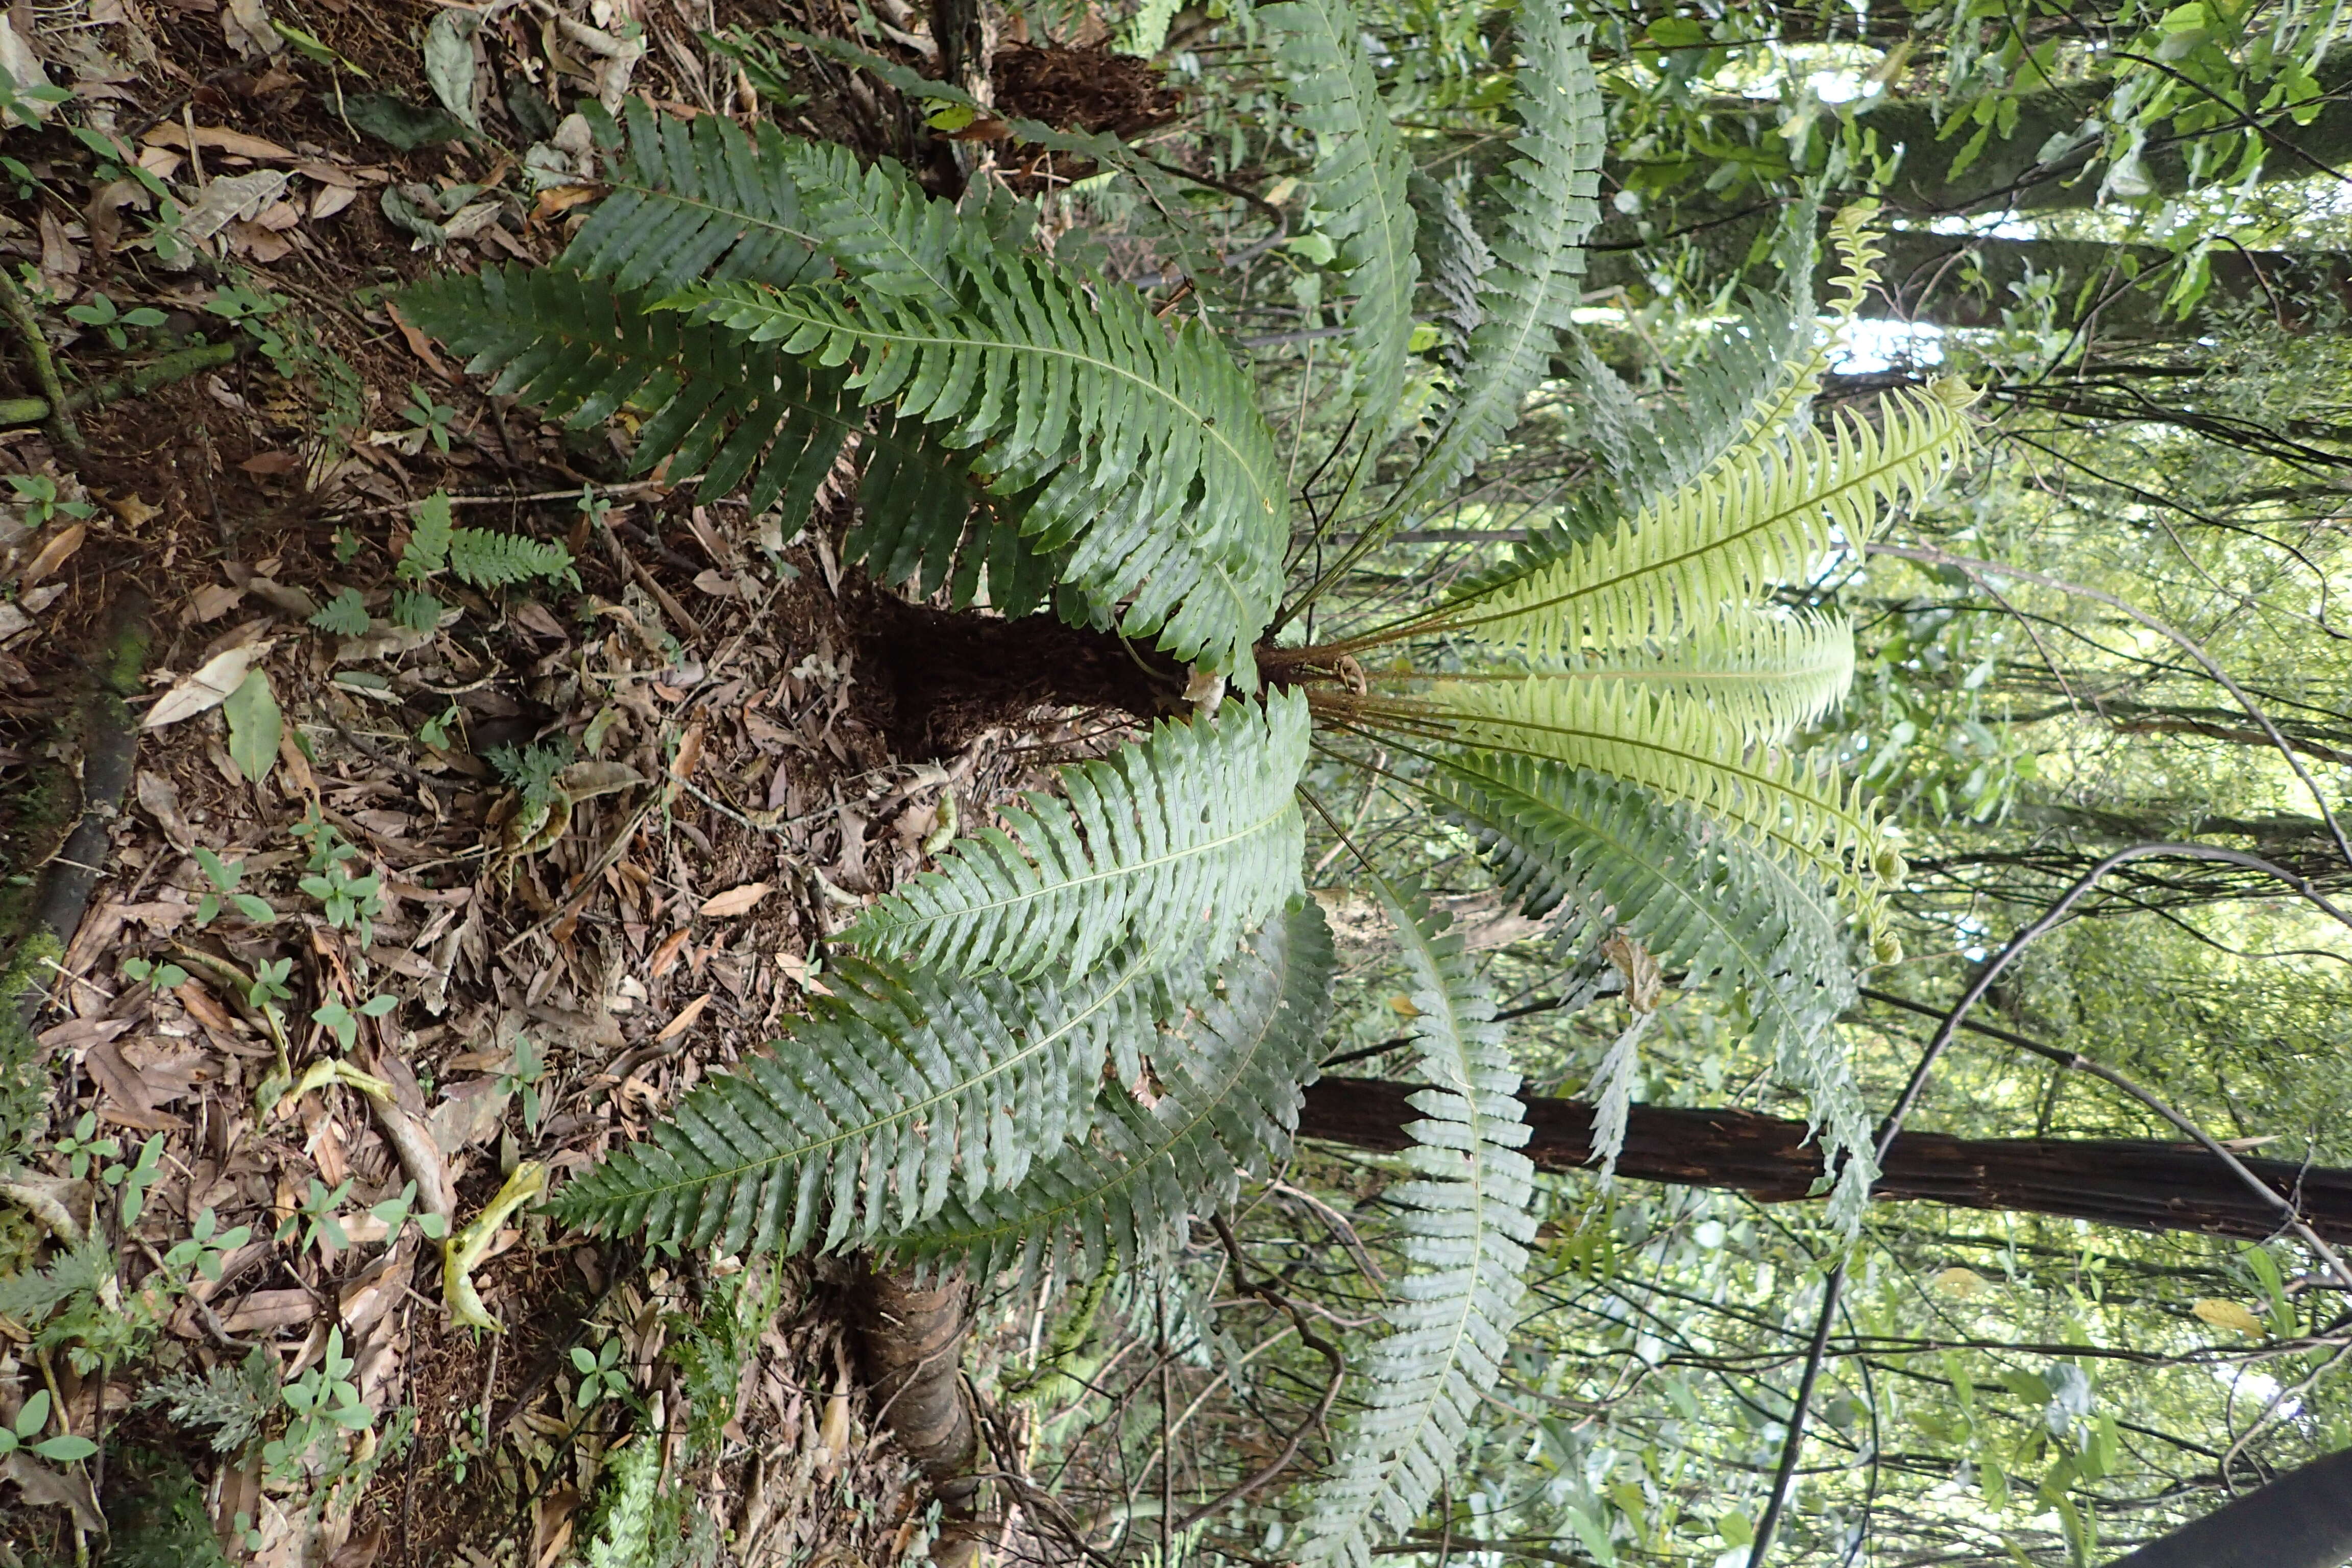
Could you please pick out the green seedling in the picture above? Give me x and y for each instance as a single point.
(42, 500)
(397, 1211)
(206, 1247)
(102, 313)
(601, 1376)
(136, 1177)
(325, 1402)
(269, 987)
(428, 420)
(350, 903)
(25, 1433)
(522, 1078)
(438, 732)
(316, 1218)
(223, 876)
(162, 976)
(83, 1146)
(344, 1022)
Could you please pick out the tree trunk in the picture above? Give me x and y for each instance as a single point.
(2010, 174)
(1953, 281)
(2145, 1185)
(2303, 1519)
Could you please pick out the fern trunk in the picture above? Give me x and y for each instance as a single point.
(910, 1340)
(2144, 1186)
(953, 675)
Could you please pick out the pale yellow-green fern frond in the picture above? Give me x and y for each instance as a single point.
(1683, 751)
(1765, 514)
(1859, 254)
(1768, 673)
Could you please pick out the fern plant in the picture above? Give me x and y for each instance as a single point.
(1091, 1024)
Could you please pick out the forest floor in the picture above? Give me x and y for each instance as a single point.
(540, 867)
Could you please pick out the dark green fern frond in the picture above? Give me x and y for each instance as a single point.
(1524, 297)
(698, 198)
(583, 348)
(1163, 195)
(1230, 1085)
(1748, 374)
(1458, 261)
(1155, 477)
(701, 200)
(1743, 922)
(1465, 1228)
(1192, 836)
(1361, 175)
(926, 521)
(902, 1089)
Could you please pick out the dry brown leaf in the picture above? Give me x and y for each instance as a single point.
(227, 201)
(329, 200)
(44, 1486)
(1643, 980)
(133, 512)
(667, 953)
(213, 601)
(117, 1080)
(53, 554)
(361, 1551)
(203, 1008)
(206, 688)
(159, 800)
(552, 1526)
(557, 200)
(418, 344)
(685, 1019)
(170, 1068)
(689, 755)
(270, 1310)
(236, 143)
(734, 901)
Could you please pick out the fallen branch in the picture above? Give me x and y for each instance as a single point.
(174, 366)
(19, 311)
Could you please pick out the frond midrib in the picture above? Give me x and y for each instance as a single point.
(1707, 909)
(708, 1178)
(677, 365)
(1047, 1216)
(1863, 829)
(736, 215)
(1475, 1180)
(1811, 501)
(1125, 868)
(780, 304)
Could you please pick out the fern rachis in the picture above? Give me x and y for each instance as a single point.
(1194, 830)
(905, 1088)
(1465, 1228)
(1230, 1077)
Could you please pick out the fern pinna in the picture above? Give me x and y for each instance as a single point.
(1091, 1022)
